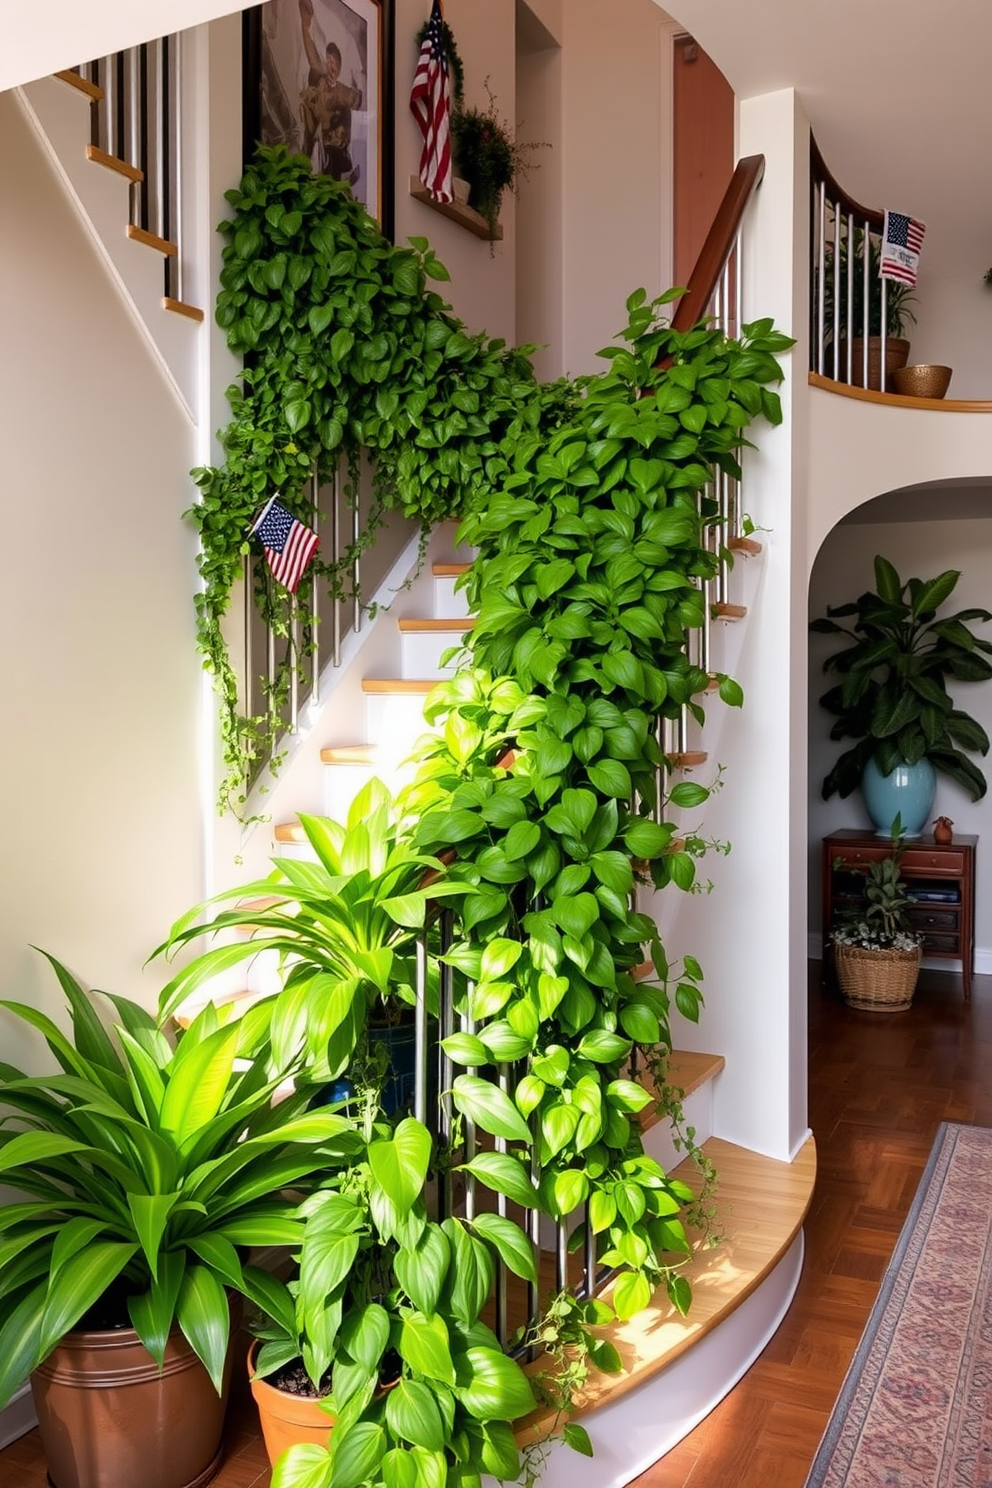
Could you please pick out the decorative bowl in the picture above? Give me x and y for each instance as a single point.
(925, 380)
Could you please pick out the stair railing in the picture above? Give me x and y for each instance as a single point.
(715, 293)
(136, 117)
(847, 297)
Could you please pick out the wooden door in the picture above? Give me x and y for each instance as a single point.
(703, 147)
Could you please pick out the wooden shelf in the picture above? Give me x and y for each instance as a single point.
(467, 216)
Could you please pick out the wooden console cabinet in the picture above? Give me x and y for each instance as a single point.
(940, 877)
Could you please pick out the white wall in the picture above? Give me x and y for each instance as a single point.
(99, 747)
(843, 570)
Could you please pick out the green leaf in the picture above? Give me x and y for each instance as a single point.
(82, 1280)
(504, 1173)
(577, 1437)
(421, 1270)
(688, 793)
(625, 1095)
(305, 1465)
(612, 778)
(646, 839)
(357, 1453)
(424, 1344)
(887, 581)
(490, 1108)
(412, 1415)
(603, 1047)
(631, 1294)
(466, 1048)
(400, 1166)
(491, 1386)
(204, 1316)
(510, 1242)
(150, 1213)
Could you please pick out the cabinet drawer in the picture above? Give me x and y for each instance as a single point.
(934, 919)
(936, 942)
(862, 855)
(919, 860)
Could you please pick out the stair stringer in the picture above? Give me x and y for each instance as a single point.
(59, 115)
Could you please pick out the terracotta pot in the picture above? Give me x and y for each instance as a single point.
(287, 1419)
(896, 355)
(110, 1419)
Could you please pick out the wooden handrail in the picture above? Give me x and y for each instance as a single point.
(719, 241)
(821, 173)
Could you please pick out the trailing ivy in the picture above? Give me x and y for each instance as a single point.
(347, 350)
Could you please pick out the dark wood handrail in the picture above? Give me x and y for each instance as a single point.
(719, 241)
(821, 173)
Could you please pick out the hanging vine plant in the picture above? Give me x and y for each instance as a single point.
(347, 350)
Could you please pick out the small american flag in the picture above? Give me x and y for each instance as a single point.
(430, 104)
(289, 543)
(902, 240)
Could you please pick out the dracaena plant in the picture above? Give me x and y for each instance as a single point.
(146, 1167)
(898, 654)
(345, 927)
(376, 1275)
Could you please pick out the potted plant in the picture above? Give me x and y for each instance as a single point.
(894, 666)
(488, 156)
(385, 1317)
(875, 948)
(147, 1165)
(847, 279)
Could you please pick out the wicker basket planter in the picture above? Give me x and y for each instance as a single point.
(877, 981)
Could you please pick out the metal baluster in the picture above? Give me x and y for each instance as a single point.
(850, 295)
(94, 71)
(335, 555)
(822, 238)
(865, 285)
(501, 1277)
(165, 144)
(446, 1021)
(836, 294)
(315, 602)
(591, 1263)
(142, 111)
(561, 1256)
(739, 282)
(249, 654)
(468, 1026)
(884, 326)
(420, 1034)
(293, 651)
(356, 575)
(174, 266)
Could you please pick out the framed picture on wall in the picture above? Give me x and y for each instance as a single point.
(318, 79)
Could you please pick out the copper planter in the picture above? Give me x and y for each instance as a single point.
(109, 1418)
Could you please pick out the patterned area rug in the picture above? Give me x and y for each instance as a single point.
(915, 1410)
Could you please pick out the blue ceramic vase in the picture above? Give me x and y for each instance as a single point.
(908, 792)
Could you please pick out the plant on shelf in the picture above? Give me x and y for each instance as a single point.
(489, 156)
(898, 654)
(876, 950)
(148, 1166)
(850, 276)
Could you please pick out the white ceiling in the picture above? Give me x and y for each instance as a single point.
(899, 93)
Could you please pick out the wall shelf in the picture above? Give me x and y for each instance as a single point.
(459, 212)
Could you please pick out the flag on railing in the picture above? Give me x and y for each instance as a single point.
(289, 544)
(902, 240)
(430, 104)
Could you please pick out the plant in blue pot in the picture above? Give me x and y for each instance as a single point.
(892, 697)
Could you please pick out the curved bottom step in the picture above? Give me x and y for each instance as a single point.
(678, 1369)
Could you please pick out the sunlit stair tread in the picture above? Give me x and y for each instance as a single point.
(747, 545)
(687, 759)
(350, 754)
(449, 570)
(724, 611)
(151, 240)
(687, 1071)
(760, 1207)
(427, 627)
(291, 831)
(422, 685)
(93, 91)
(111, 162)
(180, 307)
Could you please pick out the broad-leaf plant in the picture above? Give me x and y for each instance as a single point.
(894, 665)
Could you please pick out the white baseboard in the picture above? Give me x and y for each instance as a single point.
(17, 1417)
(982, 965)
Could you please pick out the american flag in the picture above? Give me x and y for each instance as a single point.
(289, 543)
(430, 104)
(902, 239)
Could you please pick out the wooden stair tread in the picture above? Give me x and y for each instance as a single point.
(349, 754)
(688, 1070)
(432, 627)
(760, 1206)
(688, 759)
(180, 307)
(729, 611)
(422, 685)
(93, 91)
(449, 570)
(151, 240)
(111, 162)
(290, 832)
(747, 545)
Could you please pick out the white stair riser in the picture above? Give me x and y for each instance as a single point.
(341, 785)
(449, 603)
(421, 653)
(698, 1108)
(395, 721)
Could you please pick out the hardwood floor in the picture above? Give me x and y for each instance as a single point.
(879, 1087)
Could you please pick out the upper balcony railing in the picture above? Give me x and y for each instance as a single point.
(858, 318)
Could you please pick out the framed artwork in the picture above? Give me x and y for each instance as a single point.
(318, 79)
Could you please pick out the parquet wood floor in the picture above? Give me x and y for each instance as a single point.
(879, 1086)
